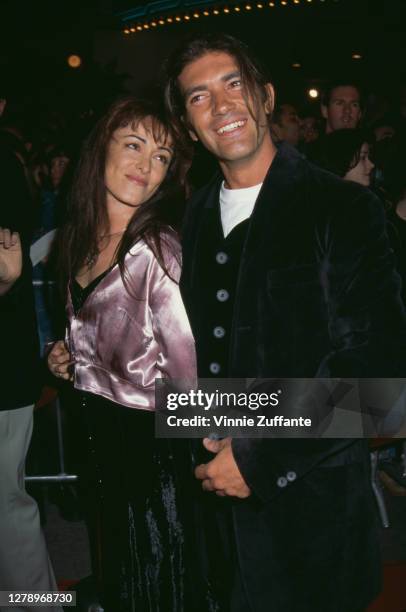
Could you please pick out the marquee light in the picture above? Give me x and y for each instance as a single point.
(74, 61)
(145, 23)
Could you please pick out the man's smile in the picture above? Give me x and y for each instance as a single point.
(231, 127)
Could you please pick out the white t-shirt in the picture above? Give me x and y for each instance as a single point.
(236, 205)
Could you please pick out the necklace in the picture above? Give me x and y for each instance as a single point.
(113, 234)
(92, 258)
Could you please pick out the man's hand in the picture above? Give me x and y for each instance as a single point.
(222, 474)
(10, 259)
(59, 361)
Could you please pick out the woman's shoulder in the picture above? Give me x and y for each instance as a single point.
(170, 243)
(164, 248)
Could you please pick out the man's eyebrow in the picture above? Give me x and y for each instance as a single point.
(343, 99)
(203, 87)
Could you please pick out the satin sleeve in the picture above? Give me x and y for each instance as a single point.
(171, 327)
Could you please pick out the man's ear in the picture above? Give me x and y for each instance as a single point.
(270, 99)
(324, 112)
(3, 103)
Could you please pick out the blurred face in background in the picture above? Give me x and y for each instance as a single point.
(57, 170)
(289, 124)
(361, 172)
(343, 109)
(384, 131)
(309, 130)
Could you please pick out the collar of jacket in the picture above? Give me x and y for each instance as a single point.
(271, 212)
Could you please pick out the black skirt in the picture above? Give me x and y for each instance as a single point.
(139, 495)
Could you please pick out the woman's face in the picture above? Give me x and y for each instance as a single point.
(136, 164)
(361, 173)
(58, 168)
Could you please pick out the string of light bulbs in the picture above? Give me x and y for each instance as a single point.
(184, 16)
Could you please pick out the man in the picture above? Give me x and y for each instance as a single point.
(341, 106)
(287, 273)
(285, 124)
(24, 562)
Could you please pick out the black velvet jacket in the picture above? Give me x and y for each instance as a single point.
(317, 295)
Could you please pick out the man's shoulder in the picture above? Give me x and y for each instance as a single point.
(336, 195)
(201, 195)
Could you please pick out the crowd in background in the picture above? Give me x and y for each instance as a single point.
(358, 136)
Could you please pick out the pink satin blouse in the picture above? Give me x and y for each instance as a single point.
(121, 340)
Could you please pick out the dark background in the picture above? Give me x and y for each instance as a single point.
(37, 37)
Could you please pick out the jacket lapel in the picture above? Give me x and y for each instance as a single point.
(273, 213)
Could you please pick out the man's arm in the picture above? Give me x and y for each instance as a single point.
(10, 259)
(367, 334)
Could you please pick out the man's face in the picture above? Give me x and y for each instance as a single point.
(290, 124)
(309, 130)
(217, 112)
(343, 110)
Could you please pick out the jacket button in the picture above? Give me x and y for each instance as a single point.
(221, 257)
(214, 367)
(219, 332)
(282, 482)
(222, 295)
(291, 476)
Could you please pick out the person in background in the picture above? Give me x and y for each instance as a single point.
(309, 129)
(127, 326)
(52, 206)
(383, 128)
(341, 106)
(285, 124)
(24, 562)
(347, 154)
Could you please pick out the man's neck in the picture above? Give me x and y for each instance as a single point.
(247, 173)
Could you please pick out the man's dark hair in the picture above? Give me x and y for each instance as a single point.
(253, 75)
(326, 95)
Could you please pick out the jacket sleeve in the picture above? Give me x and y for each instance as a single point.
(362, 289)
(171, 328)
(367, 339)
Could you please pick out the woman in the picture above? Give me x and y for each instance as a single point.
(346, 153)
(127, 326)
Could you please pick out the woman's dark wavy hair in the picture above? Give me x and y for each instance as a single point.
(341, 150)
(253, 74)
(87, 219)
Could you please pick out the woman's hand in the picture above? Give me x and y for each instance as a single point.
(10, 259)
(59, 360)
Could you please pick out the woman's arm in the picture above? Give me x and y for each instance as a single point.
(171, 327)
